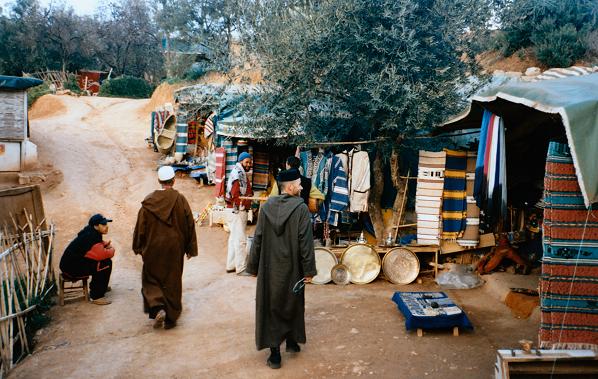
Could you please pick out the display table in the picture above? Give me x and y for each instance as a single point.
(430, 310)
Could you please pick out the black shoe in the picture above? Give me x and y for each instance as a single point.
(274, 360)
(292, 346)
(169, 324)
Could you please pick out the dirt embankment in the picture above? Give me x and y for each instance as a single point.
(47, 106)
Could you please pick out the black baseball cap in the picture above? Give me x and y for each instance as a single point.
(98, 219)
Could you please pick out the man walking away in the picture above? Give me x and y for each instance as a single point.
(282, 257)
(88, 255)
(164, 234)
(238, 185)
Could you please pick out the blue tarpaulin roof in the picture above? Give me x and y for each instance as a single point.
(18, 83)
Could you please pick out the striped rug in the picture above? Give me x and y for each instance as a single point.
(261, 167)
(428, 199)
(220, 154)
(454, 206)
(471, 235)
(569, 280)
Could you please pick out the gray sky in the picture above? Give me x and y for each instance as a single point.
(81, 7)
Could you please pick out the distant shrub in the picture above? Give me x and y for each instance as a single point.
(126, 86)
(558, 47)
(557, 31)
(36, 92)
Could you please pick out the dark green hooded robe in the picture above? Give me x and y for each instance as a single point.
(281, 254)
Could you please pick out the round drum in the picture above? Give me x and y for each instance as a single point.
(340, 274)
(325, 261)
(400, 266)
(363, 263)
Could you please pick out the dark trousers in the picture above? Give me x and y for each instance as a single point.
(100, 275)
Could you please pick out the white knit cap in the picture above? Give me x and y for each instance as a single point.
(165, 173)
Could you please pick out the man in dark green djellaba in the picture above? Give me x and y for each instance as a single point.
(282, 257)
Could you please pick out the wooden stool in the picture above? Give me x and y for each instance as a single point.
(70, 292)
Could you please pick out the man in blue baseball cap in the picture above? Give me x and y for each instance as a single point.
(88, 254)
(238, 185)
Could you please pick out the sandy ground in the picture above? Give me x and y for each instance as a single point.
(352, 331)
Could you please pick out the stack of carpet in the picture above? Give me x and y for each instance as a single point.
(569, 280)
(428, 201)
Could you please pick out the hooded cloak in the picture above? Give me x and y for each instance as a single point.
(282, 253)
(164, 233)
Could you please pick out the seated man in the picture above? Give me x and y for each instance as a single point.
(88, 255)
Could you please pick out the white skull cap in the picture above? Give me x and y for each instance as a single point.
(165, 173)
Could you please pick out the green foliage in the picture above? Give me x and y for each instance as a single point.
(357, 69)
(36, 92)
(558, 47)
(556, 29)
(71, 84)
(126, 86)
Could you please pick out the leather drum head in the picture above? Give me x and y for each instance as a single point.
(325, 261)
(363, 263)
(400, 265)
(340, 274)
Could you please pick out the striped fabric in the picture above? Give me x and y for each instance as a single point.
(490, 187)
(231, 154)
(261, 167)
(569, 280)
(208, 129)
(339, 198)
(220, 155)
(428, 200)
(181, 135)
(471, 235)
(454, 206)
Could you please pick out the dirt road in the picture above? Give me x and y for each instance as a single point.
(98, 144)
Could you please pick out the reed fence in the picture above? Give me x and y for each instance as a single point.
(26, 280)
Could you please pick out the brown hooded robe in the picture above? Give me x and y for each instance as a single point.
(164, 233)
(281, 254)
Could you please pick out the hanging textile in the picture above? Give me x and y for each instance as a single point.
(231, 154)
(490, 186)
(260, 170)
(310, 163)
(360, 181)
(569, 280)
(321, 175)
(471, 235)
(428, 199)
(338, 198)
(208, 129)
(454, 206)
(220, 157)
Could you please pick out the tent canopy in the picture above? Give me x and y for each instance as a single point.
(18, 83)
(571, 101)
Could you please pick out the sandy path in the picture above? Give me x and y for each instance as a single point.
(352, 331)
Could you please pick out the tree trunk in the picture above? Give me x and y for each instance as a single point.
(399, 184)
(375, 210)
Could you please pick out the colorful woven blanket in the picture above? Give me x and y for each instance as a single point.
(261, 166)
(569, 280)
(454, 206)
